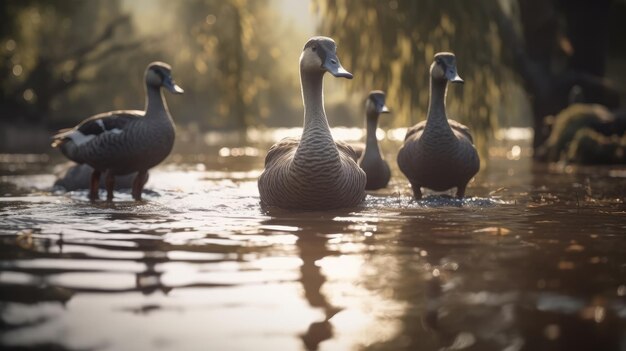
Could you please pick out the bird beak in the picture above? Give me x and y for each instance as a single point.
(332, 65)
(383, 109)
(452, 76)
(172, 87)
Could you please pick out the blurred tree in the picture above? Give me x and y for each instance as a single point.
(231, 54)
(390, 45)
(61, 62)
(47, 49)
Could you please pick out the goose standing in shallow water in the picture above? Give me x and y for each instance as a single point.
(439, 153)
(375, 167)
(122, 142)
(313, 172)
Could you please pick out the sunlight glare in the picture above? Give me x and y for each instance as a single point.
(278, 263)
(364, 326)
(280, 228)
(396, 134)
(344, 267)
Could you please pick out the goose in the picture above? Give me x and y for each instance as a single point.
(123, 142)
(313, 172)
(375, 167)
(439, 153)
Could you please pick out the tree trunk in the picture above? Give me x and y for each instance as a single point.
(581, 48)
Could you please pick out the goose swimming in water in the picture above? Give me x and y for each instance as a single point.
(123, 142)
(375, 167)
(439, 153)
(313, 172)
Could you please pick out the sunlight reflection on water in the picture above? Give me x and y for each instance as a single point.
(200, 264)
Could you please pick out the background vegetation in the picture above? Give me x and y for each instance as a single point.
(237, 59)
(62, 61)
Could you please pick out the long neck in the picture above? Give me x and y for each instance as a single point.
(313, 97)
(371, 125)
(155, 103)
(437, 117)
(316, 138)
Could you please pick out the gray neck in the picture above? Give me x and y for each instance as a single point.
(437, 117)
(313, 97)
(316, 138)
(371, 143)
(155, 102)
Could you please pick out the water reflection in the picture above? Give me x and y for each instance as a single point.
(312, 248)
(533, 261)
(471, 293)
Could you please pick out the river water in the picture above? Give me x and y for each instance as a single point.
(534, 259)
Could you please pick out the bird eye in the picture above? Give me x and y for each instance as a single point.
(314, 47)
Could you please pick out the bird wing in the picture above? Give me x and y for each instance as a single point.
(110, 122)
(456, 126)
(347, 149)
(461, 128)
(416, 128)
(359, 148)
(280, 148)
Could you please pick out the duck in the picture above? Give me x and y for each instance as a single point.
(439, 153)
(313, 171)
(125, 141)
(375, 167)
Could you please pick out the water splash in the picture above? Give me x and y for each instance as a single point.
(432, 201)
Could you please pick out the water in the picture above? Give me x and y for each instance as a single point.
(534, 260)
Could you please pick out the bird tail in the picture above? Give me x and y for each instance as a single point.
(64, 141)
(61, 137)
(57, 142)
